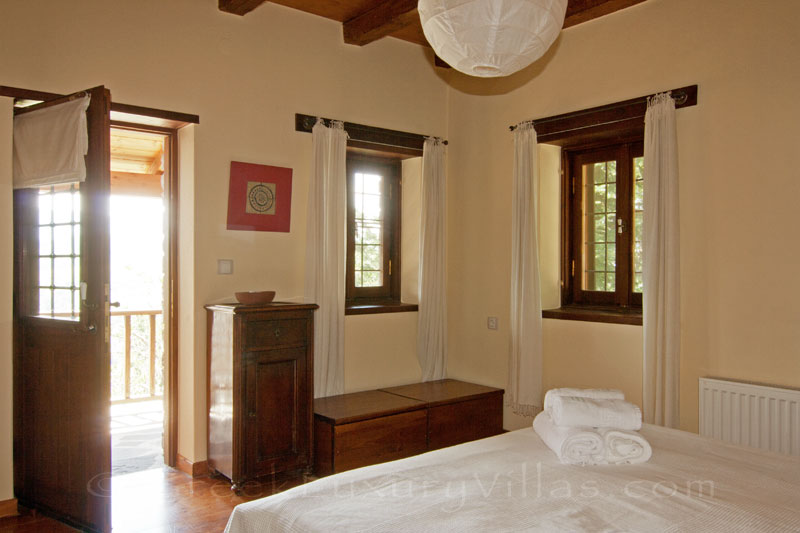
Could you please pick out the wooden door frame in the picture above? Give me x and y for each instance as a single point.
(165, 122)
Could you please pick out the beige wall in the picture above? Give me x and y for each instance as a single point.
(245, 77)
(739, 192)
(6, 283)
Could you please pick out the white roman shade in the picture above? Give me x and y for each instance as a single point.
(50, 145)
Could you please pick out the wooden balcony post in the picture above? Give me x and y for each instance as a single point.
(127, 357)
(152, 355)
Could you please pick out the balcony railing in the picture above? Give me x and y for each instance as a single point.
(153, 352)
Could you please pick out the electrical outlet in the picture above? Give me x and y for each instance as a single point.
(224, 266)
(491, 322)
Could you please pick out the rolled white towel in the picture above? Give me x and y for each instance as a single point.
(625, 446)
(588, 412)
(572, 445)
(597, 394)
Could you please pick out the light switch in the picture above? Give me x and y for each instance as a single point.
(224, 266)
(491, 322)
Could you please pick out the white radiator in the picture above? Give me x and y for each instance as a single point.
(751, 415)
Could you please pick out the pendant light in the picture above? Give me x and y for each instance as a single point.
(490, 38)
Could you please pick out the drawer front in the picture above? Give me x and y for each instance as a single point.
(268, 334)
(379, 440)
(465, 421)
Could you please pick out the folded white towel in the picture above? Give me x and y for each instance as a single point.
(597, 394)
(588, 412)
(625, 446)
(572, 445)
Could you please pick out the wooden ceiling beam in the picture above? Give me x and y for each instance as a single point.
(580, 11)
(239, 7)
(383, 19)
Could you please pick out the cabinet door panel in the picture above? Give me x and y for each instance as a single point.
(276, 427)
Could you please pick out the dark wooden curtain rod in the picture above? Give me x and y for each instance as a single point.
(366, 134)
(608, 114)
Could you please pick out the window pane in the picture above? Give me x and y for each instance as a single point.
(612, 197)
(59, 235)
(599, 231)
(599, 282)
(45, 271)
(62, 271)
(45, 240)
(62, 240)
(45, 206)
(372, 184)
(370, 233)
(371, 279)
(638, 223)
(62, 207)
(76, 205)
(638, 282)
(371, 258)
(372, 207)
(611, 259)
(45, 302)
(368, 200)
(62, 302)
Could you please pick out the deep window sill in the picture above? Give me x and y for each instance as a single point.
(611, 315)
(374, 307)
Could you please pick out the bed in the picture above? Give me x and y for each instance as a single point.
(513, 482)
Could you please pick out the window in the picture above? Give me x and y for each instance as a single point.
(59, 261)
(373, 229)
(604, 231)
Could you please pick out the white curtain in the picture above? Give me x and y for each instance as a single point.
(524, 393)
(661, 305)
(432, 320)
(325, 258)
(50, 145)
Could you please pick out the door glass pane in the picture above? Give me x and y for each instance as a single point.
(638, 220)
(369, 219)
(59, 252)
(599, 226)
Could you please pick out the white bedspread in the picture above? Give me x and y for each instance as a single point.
(513, 482)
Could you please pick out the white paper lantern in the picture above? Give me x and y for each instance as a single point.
(489, 38)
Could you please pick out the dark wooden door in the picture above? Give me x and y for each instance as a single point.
(62, 443)
(277, 425)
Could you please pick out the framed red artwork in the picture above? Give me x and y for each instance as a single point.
(259, 197)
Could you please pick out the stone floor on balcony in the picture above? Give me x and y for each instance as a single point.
(136, 429)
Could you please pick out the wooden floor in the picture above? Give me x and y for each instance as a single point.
(164, 500)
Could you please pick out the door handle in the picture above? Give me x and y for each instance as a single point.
(80, 328)
(113, 304)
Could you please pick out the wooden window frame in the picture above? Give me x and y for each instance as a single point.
(573, 160)
(389, 292)
(602, 126)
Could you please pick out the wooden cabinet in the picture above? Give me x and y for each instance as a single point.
(364, 428)
(457, 411)
(260, 389)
